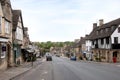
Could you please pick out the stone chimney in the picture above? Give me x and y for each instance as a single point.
(94, 25)
(101, 22)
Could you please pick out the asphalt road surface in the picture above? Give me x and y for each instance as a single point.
(64, 69)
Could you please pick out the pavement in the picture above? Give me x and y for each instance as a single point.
(13, 72)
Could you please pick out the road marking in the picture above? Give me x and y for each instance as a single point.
(43, 60)
(118, 65)
(45, 72)
(42, 79)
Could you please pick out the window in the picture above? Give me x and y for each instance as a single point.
(107, 40)
(115, 40)
(106, 29)
(102, 41)
(92, 42)
(101, 31)
(7, 27)
(113, 27)
(0, 24)
(19, 33)
(118, 29)
(97, 33)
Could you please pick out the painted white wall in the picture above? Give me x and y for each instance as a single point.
(115, 34)
(105, 45)
(88, 45)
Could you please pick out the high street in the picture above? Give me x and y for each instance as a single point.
(64, 69)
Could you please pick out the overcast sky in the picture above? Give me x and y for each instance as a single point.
(64, 20)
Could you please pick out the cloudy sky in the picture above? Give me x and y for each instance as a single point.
(64, 20)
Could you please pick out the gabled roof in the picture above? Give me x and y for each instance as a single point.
(105, 30)
(16, 15)
(7, 10)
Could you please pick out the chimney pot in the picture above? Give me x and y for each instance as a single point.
(101, 22)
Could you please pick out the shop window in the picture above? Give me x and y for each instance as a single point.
(3, 50)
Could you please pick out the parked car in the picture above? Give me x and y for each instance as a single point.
(57, 55)
(73, 58)
(48, 56)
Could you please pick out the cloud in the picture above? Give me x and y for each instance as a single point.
(64, 19)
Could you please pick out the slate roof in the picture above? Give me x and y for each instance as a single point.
(105, 30)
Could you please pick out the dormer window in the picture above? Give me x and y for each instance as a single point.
(7, 27)
(101, 31)
(112, 28)
(106, 29)
(97, 33)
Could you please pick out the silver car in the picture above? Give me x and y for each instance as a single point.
(48, 56)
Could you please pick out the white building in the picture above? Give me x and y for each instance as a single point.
(106, 41)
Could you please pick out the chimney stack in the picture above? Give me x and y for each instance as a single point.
(101, 22)
(94, 25)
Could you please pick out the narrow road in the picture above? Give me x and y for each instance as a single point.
(64, 69)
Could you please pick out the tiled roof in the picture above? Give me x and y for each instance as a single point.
(78, 44)
(6, 9)
(16, 14)
(105, 30)
(82, 41)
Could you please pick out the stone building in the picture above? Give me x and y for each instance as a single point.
(18, 34)
(5, 34)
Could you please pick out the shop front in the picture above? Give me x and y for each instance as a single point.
(4, 54)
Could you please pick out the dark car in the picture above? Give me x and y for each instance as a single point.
(73, 58)
(57, 55)
(48, 57)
